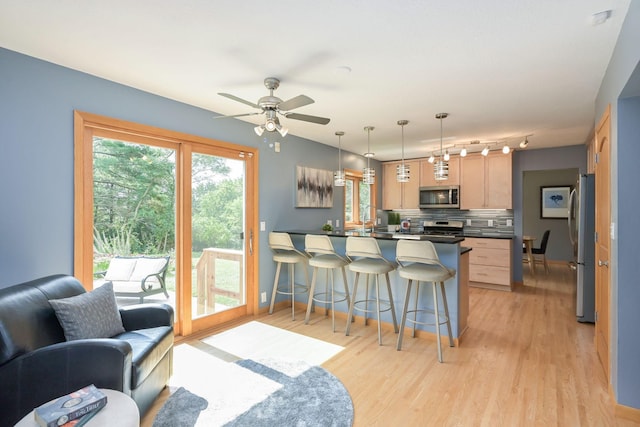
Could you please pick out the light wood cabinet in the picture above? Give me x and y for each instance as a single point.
(485, 181)
(427, 178)
(489, 263)
(400, 195)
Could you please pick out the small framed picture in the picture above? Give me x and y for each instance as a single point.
(554, 202)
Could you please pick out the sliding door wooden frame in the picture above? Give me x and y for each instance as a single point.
(88, 125)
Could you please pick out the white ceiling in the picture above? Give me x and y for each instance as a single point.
(501, 69)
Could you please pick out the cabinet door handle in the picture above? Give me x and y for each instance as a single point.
(602, 263)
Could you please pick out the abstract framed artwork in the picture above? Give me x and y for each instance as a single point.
(314, 188)
(554, 202)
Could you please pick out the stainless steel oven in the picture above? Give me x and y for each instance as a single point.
(442, 196)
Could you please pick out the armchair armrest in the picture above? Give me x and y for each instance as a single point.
(143, 316)
(53, 371)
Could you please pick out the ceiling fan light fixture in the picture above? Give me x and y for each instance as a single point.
(282, 130)
(259, 130)
(270, 125)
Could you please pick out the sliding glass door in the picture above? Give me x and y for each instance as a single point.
(144, 193)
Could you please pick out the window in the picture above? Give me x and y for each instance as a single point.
(359, 200)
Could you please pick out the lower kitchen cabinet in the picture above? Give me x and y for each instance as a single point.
(490, 263)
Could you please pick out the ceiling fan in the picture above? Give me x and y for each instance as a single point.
(271, 106)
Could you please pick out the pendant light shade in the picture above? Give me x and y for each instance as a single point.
(402, 170)
(338, 175)
(441, 167)
(368, 173)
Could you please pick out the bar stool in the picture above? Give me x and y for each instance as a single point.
(285, 253)
(322, 254)
(418, 260)
(366, 258)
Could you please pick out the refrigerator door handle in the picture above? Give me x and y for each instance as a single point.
(572, 199)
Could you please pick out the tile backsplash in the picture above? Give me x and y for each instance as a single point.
(497, 221)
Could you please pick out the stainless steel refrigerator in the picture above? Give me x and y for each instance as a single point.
(581, 220)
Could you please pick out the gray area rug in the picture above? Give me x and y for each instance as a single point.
(306, 396)
(181, 409)
(313, 398)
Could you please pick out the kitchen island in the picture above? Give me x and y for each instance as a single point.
(450, 252)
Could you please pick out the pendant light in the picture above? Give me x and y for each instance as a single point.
(368, 173)
(338, 176)
(402, 170)
(441, 167)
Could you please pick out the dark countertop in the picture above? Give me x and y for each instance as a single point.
(379, 235)
(488, 235)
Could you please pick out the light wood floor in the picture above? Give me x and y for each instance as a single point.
(525, 361)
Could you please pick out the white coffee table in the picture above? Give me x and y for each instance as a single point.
(120, 411)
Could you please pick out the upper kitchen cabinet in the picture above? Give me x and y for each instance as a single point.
(400, 195)
(427, 177)
(485, 182)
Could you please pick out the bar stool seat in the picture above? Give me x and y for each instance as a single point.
(366, 258)
(418, 261)
(284, 252)
(323, 255)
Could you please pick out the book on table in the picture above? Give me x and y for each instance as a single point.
(78, 422)
(70, 407)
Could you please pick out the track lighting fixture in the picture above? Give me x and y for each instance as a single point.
(463, 152)
(431, 158)
(485, 151)
(524, 143)
(506, 149)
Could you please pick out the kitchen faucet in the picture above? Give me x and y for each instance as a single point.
(364, 214)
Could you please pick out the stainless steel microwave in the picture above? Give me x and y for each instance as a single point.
(442, 197)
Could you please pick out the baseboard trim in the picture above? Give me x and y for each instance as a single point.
(627, 412)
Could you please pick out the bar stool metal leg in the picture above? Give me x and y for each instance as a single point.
(403, 319)
(275, 287)
(353, 302)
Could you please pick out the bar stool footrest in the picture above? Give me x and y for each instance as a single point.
(298, 287)
(443, 318)
(327, 300)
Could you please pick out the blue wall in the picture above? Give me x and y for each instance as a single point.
(37, 100)
(620, 83)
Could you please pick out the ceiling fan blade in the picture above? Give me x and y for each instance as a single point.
(236, 115)
(307, 118)
(296, 102)
(235, 98)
